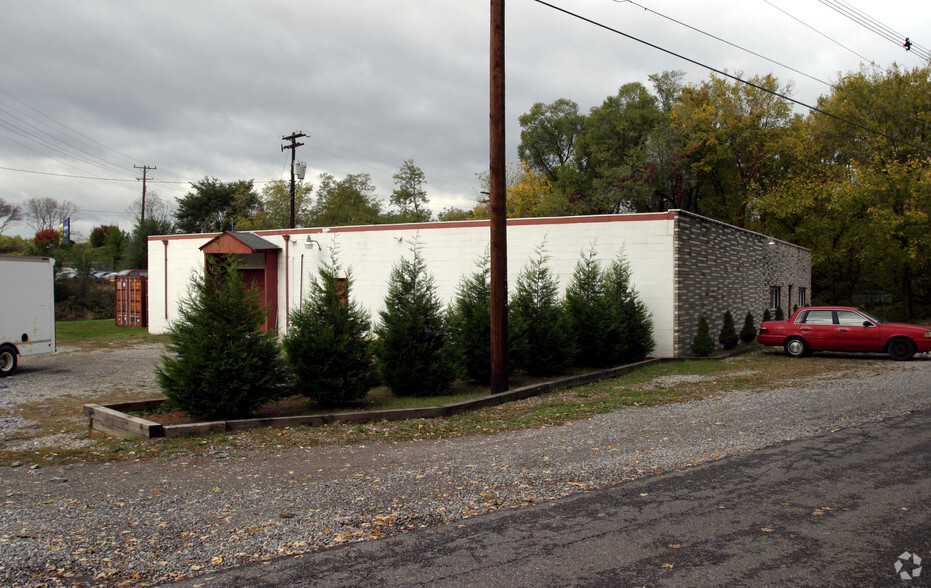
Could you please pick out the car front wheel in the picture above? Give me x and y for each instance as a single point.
(901, 349)
(796, 347)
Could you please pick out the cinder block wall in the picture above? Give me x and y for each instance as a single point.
(720, 267)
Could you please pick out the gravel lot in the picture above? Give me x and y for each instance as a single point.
(155, 520)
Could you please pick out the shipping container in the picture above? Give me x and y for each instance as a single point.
(132, 308)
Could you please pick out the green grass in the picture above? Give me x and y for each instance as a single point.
(103, 333)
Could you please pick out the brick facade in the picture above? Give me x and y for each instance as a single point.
(719, 267)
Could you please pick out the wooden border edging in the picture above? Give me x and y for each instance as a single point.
(113, 420)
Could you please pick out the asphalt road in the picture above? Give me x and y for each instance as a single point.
(834, 510)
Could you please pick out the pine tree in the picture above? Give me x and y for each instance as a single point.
(538, 327)
(766, 315)
(728, 337)
(780, 316)
(329, 347)
(413, 350)
(470, 323)
(589, 314)
(703, 345)
(220, 364)
(748, 332)
(629, 315)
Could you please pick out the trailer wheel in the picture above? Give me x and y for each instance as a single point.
(7, 360)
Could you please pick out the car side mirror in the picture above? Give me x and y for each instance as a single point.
(868, 324)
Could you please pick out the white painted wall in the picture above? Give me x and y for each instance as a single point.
(450, 251)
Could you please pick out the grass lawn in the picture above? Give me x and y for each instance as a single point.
(101, 333)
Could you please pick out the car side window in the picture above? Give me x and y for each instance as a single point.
(818, 317)
(850, 318)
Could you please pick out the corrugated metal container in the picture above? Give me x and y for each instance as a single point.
(132, 301)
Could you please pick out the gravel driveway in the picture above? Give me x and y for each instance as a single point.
(155, 520)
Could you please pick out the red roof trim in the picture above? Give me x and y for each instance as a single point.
(560, 220)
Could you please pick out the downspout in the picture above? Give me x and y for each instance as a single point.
(165, 243)
(287, 287)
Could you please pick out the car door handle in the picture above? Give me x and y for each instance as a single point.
(805, 329)
(843, 330)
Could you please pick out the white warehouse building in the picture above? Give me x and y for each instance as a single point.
(683, 265)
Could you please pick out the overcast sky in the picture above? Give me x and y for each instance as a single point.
(208, 88)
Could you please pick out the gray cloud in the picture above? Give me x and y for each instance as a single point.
(207, 88)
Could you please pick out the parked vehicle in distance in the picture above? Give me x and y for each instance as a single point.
(132, 272)
(843, 328)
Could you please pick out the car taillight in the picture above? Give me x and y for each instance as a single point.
(928, 334)
(764, 329)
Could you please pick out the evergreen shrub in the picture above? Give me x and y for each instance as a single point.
(329, 345)
(412, 346)
(470, 323)
(748, 332)
(219, 364)
(728, 336)
(629, 315)
(539, 333)
(703, 344)
(596, 332)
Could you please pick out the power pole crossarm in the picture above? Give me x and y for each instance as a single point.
(145, 170)
(293, 137)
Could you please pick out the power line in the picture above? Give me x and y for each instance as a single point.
(857, 99)
(874, 26)
(835, 41)
(731, 76)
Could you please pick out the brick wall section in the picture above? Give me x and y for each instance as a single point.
(719, 267)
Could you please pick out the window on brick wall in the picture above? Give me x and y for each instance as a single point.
(775, 297)
(802, 297)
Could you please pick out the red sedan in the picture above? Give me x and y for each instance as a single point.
(843, 328)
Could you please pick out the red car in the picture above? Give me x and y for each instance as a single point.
(843, 328)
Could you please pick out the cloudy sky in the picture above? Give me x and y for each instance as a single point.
(208, 88)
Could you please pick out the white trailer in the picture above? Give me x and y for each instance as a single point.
(27, 309)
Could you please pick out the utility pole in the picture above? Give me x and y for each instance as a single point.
(293, 137)
(497, 206)
(145, 169)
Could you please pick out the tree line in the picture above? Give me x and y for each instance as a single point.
(850, 180)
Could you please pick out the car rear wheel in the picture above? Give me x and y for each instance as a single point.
(901, 349)
(7, 360)
(796, 347)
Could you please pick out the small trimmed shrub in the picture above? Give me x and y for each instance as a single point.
(538, 327)
(219, 364)
(470, 323)
(748, 332)
(329, 348)
(414, 355)
(728, 337)
(703, 345)
(780, 316)
(766, 315)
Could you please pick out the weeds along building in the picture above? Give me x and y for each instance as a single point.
(683, 265)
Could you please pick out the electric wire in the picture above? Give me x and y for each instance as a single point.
(873, 25)
(835, 41)
(731, 76)
(859, 100)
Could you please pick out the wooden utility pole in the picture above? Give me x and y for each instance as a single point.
(497, 206)
(293, 137)
(145, 169)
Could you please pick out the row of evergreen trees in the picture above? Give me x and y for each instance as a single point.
(220, 365)
(703, 345)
